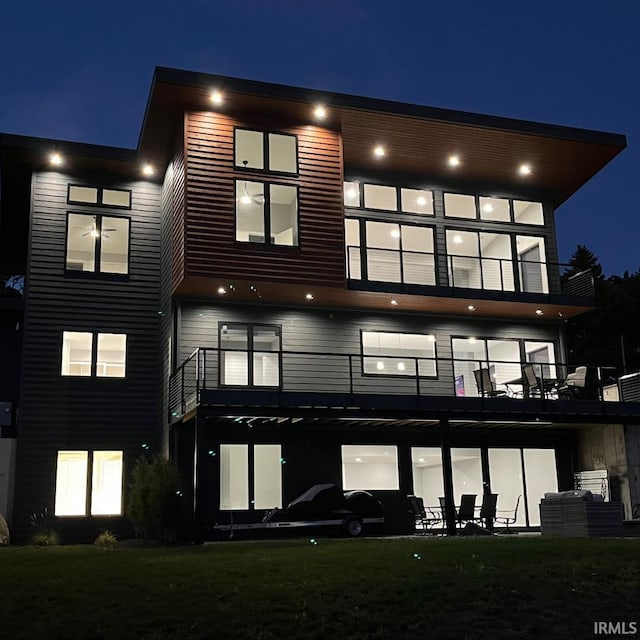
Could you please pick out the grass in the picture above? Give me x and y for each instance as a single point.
(374, 589)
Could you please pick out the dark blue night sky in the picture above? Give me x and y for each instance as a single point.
(81, 71)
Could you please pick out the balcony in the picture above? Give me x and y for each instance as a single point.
(408, 386)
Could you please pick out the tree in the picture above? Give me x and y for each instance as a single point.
(583, 259)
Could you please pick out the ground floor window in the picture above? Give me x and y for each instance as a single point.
(513, 474)
(72, 483)
(370, 467)
(250, 483)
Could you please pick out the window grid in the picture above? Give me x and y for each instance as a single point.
(269, 139)
(94, 354)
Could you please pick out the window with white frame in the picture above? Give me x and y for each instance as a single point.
(249, 355)
(266, 213)
(399, 354)
(97, 244)
(237, 490)
(72, 478)
(275, 152)
(370, 467)
(86, 354)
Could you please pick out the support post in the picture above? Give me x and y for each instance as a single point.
(447, 476)
(199, 480)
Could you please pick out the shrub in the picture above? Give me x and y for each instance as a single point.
(106, 538)
(154, 498)
(44, 534)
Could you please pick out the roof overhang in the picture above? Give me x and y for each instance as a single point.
(418, 140)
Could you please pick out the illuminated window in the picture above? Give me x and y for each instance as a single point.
(97, 244)
(398, 354)
(457, 205)
(71, 483)
(266, 213)
(277, 152)
(106, 483)
(78, 354)
(78, 194)
(266, 491)
(370, 467)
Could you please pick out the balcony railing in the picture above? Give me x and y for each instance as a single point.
(350, 377)
(467, 272)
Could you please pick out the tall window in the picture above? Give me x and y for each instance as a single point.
(240, 489)
(266, 213)
(392, 252)
(97, 244)
(249, 355)
(274, 152)
(103, 355)
(532, 265)
(398, 354)
(479, 260)
(72, 478)
(370, 467)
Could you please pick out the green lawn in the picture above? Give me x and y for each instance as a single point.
(421, 588)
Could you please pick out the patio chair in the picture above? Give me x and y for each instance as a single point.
(507, 518)
(488, 509)
(422, 516)
(486, 386)
(467, 508)
(574, 385)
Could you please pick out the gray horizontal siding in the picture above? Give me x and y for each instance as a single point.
(85, 413)
(320, 333)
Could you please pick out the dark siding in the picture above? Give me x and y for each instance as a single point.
(211, 249)
(335, 332)
(85, 413)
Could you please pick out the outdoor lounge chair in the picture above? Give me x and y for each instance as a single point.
(486, 386)
(575, 384)
(507, 517)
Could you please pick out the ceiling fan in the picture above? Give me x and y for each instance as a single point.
(249, 198)
(93, 231)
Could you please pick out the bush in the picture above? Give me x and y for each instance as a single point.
(106, 539)
(154, 499)
(44, 534)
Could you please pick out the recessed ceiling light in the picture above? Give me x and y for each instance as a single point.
(379, 151)
(471, 340)
(379, 365)
(320, 112)
(147, 170)
(454, 161)
(487, 208)
(471, 307)
(457, 239)
(245, 199)
(420, 459)
(222, 290)
(309, 296)
(395, 233)
(431, 338)
(358, 459)
(55, 159)
(524, 170)
(539, 312)
(94, 233)
(352, 193)
(421, 201)
(394, 302)
(216, 97)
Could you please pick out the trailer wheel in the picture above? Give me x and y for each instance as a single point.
(353, 527)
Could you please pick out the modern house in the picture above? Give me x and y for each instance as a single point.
(281, 287)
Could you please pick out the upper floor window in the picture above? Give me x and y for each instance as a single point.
(390, 252)
(266, 213)
(277, 152)
(249, 355)
(78, 194)
(97, 244)
(398, 354)
(493, 209)
(88, 354)
(384, 198)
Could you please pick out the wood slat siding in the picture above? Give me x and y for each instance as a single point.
(339, 333)
(176, 204)
(85, 413)
(210, 245)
